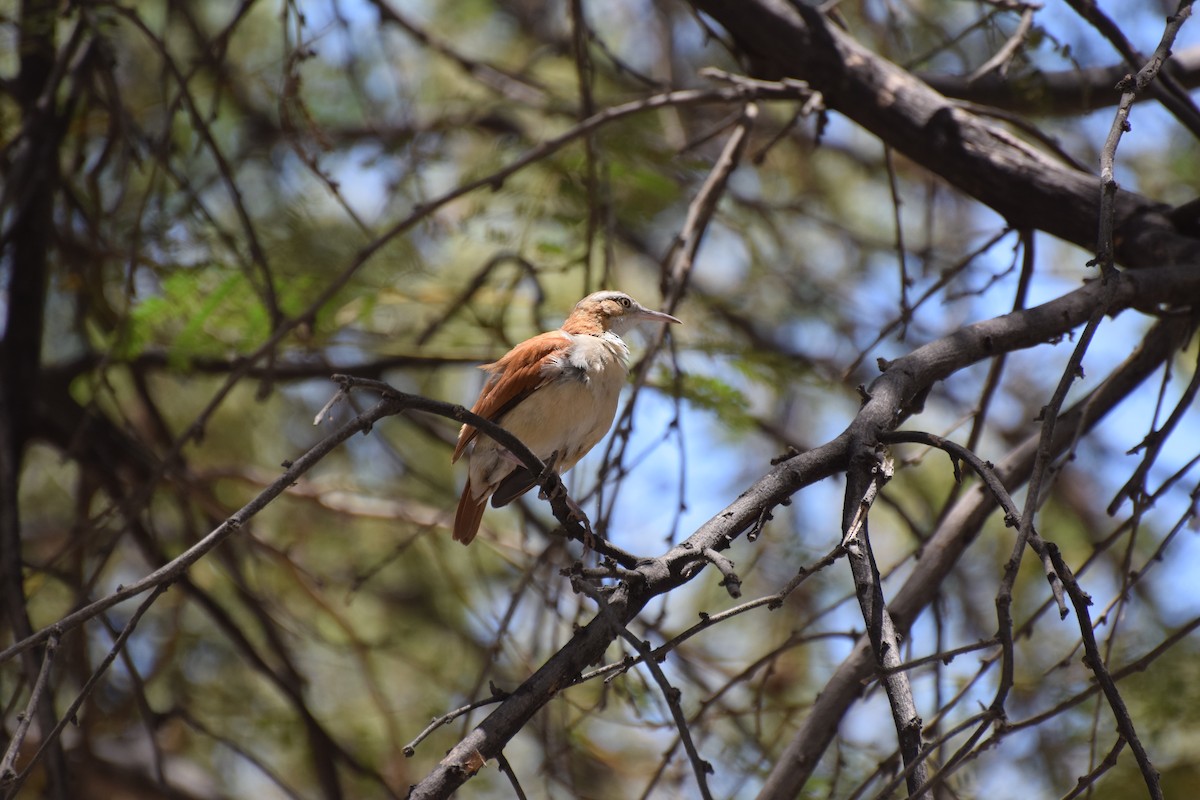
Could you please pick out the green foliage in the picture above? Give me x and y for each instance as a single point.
(208, 311)
(711, 393)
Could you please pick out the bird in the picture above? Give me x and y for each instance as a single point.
(557, 392)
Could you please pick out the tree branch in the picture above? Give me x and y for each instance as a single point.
(1028, 188)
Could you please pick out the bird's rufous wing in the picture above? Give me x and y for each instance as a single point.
(514, 377)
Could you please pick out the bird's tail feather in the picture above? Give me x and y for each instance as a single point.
(468, 515)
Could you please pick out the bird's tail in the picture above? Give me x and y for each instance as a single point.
(468, 515)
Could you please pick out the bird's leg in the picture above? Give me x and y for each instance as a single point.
(589, 541)
(551, 466)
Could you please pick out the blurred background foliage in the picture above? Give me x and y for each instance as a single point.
(251, 196)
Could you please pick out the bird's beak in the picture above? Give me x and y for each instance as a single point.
(646, 315)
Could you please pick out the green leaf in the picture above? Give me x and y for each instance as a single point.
(730, 405)
(191, 341)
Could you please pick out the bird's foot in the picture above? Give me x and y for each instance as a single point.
(576, 513)
(589, 538)
(546, 473)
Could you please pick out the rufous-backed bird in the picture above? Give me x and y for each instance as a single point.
(557, 393)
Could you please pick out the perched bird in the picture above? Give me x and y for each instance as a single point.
(557, 393)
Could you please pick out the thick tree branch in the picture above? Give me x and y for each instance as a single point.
(1028, 188)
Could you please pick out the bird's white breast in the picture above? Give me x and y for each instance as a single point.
(569, 414)
(592, 358)
(581, 399)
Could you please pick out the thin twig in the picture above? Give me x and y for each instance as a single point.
(1005, 54)
(942, 656)
(1130, 86)
(866, 476)
(995, 486)
(1086, 782)
(730, 580)
(509, 773)
(410, 749)
(1095, 662)
(25, 718)
(51, 736)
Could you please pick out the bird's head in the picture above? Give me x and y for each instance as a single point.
(611, 311)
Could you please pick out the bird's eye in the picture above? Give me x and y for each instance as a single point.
(625, 301)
